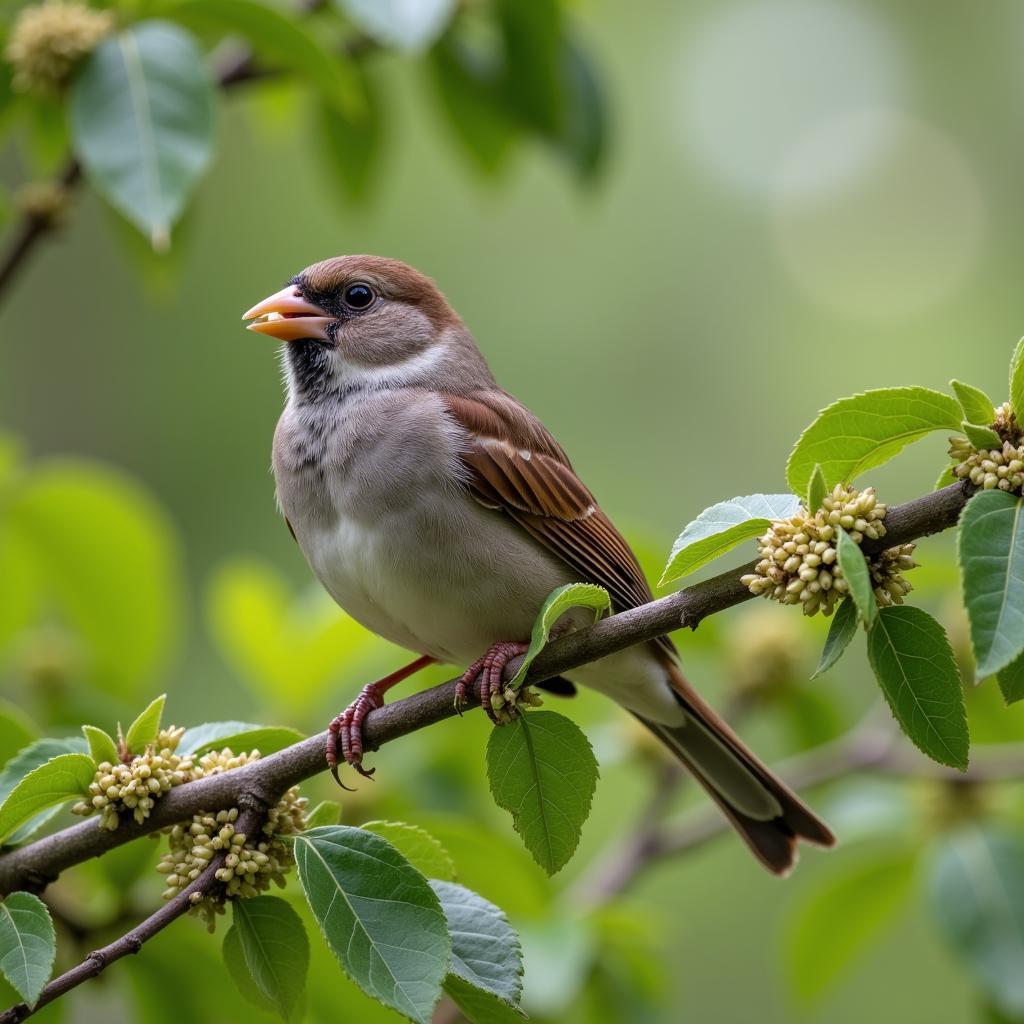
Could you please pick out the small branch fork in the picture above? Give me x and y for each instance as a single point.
(253, 787)
(249, 822)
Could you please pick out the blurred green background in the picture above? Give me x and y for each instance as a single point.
(799, 200)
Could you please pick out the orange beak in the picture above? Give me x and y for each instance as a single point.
(287, 316)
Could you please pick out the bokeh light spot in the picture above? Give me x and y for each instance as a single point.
(760, 76)
(898, 239)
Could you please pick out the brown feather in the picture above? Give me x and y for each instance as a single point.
(517, 466)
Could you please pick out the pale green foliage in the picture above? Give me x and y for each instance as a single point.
(721, 527)
(977, 407)
(410, 25)
(418, 847)
(143, 731)
(52, 784)
(560, 601)
(238, 736)
(858, 433)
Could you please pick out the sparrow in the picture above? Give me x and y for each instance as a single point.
(438, 511)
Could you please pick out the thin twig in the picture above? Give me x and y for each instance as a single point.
(33, 866)
(249, 822)
(873, 747)
(235, 66)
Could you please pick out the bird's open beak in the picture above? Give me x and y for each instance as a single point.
(287, 316)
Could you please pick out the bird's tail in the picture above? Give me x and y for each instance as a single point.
(766, 813)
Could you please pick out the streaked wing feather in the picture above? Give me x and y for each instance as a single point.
(516, 466)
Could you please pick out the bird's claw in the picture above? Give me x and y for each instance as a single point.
(497, 700)
(345, 734)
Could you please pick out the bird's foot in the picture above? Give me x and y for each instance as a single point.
(345, 733)
(497, 700)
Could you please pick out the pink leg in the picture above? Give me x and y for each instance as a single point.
(486, 671)
(346, 730)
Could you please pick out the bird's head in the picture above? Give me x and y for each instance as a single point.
(357, 321)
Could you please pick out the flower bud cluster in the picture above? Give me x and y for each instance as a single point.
(887, 578)
(132, 788)
(249, 866)
(799, 559)
(49, 39)
(993, 468)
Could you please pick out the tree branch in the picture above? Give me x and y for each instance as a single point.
(236, 66)
(249, 822)
(33, 866)
(873, 747)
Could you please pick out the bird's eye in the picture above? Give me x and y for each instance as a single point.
(358, 296)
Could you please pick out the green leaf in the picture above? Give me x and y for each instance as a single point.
(865, 896)
(976, 405)
(485, 950)
(398, 24)
(976, 893)
(859, 433)
(283, 39)
(1017, 381)
(468, 86)
(983, 438)
(533, 51)
(857, 575)
(275, 949)
(914, 665)
(493, 864)
(817, 489)
(25, 761)
(111, 568)
(28, 944)
(583, 136)
(541, 769)
(379, 916)
(990, 548)
(239, 736)
(101, 745)
(55, 782)
(418, 847)
(478, 1006)
(841, 631)
(1011, 680)
(720, 528)
(143, 731)
(559, 601)
(327, 812)
(234, 959)
(141, 112)
(352, 147)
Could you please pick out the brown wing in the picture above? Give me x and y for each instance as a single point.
(516, 466)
